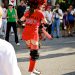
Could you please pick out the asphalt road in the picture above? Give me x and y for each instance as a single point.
(57, 56)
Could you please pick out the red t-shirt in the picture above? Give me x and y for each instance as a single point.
(32, 23)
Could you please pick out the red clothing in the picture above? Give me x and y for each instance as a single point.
(32, 23)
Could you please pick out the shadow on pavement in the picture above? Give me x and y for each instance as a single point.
(71, 73)
(56, 55)
(47, 56)
(22, 59)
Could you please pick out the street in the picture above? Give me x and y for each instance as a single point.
(57, 56)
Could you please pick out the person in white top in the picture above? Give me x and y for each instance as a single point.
(57, 14)
(43, 8)
(49, 17)
(0, 19)
(70, 21)
(8, 60)
(4, 20)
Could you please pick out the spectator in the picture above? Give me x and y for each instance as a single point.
(49, 17)
(4, 20)
(20, 12)
(70, 20)
(65, 24)
(30, 34)
(8, 60)
(74, 22)
(11, 22)
(41, 34)
(57, 13)
(0, 19)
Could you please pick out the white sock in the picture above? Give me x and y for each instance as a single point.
(36, 71)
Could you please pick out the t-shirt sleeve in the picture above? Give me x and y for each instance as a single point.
(41, 16)
(26, 13)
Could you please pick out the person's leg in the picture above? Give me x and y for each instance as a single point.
(33, 54)
(28, 43)
(7, 31)
(15, 31)
(58, 28)
(32, 60)
(5, 25)
(71, 28)
(31, 64)
(52, 28)
(49, 29)
(19, 29)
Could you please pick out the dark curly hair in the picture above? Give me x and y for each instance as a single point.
(34, 5)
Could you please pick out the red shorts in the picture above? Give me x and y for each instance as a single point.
(31, 38)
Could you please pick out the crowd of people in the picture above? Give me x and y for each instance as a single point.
(58, 20)
(60, 23)
(36, 22)
(9, 21)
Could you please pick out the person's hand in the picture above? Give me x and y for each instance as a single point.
(19, 22)
(41, 26)
(65, 27)
(56, 11)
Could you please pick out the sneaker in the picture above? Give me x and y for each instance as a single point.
(18, 44)
(35, 72)
(32, 73)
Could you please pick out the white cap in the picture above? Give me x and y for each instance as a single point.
(11, 4)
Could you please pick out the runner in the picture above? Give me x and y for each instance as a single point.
(33, 17)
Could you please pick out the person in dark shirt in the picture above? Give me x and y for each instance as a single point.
(20, 12)
(21, 9)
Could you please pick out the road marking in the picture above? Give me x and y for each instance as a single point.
(69, 42)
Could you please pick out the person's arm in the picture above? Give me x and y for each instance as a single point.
(60, 13)
(7, 14)
(20, 21)
(44, 21)
(0, 12)
(16, 14)
(22, 18)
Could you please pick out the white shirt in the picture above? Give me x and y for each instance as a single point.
(8, 60)
(56, 14)
(44, 13)
(74, 10)
(49, 15)
(4, 12)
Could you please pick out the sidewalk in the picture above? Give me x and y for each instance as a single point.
(57, 57)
